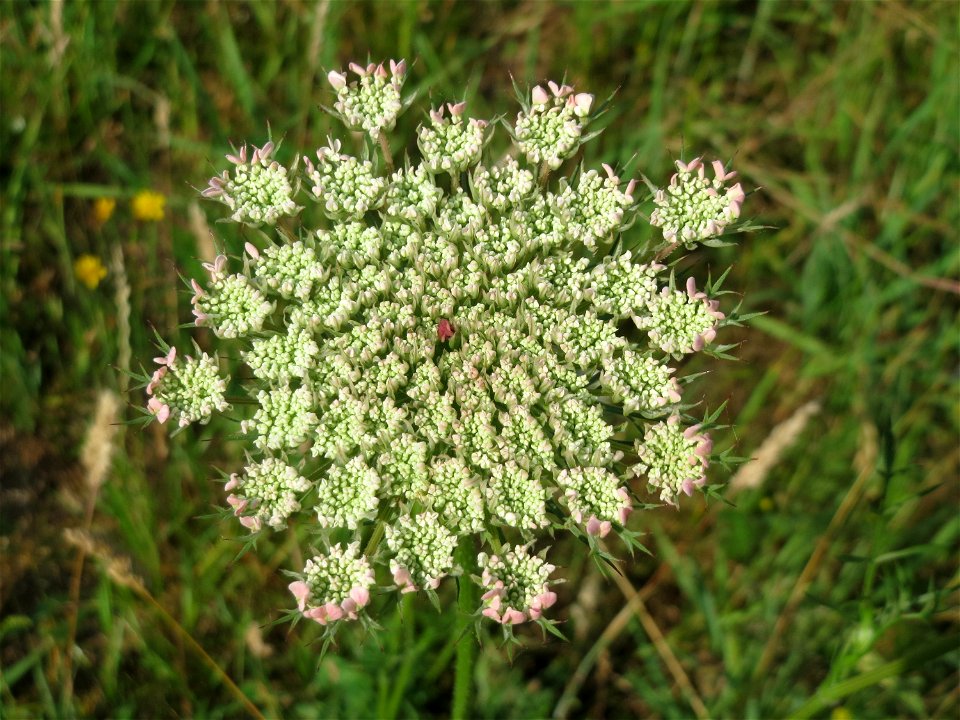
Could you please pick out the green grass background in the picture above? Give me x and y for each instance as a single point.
(844, 116)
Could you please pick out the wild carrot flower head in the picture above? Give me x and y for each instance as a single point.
(371, 101)
(267, 493)
(695, 207)
(185, 389)
(680, 321)
(516, 584)
(451, 143)
(549, 129)
(439, 357)
(423, 551)
(673, 458)
(335, 585)
(257, 190)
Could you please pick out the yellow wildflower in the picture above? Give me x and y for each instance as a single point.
(148, 205)
(103, 209)
(89, 270)
(841, 713)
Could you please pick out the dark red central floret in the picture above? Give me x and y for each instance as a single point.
(445, 330)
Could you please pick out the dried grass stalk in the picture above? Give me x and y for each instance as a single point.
(780, 439)
(98, 448)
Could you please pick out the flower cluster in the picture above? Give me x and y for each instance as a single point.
(694, 208)
(233, 306)
(423, 551)
(185, 389)
(347, 495)
(451, 144)
(516, 586)
(335, 585)
(592, 493)
(347, 187)
(266, 493)
(371, 103)
(549, 130)
(681, 322)
(258, 191)
(641, 382)
(673, 458)
(597, 205)
(438, 364)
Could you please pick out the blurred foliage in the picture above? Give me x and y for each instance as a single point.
(831, 587)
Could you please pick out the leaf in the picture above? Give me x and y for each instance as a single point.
(713, 286)
(434, 599)
(584, 139)
(629, 538)
(409, 100)
(509, 129)
(709, 419)
(715, 243)
(523, 97)
(328, 638)
(550, 626)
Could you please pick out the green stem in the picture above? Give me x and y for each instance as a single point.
(375, 538)
(666, 251)
(385, 148)
(544, 174)
(409, 658)
(463, 675)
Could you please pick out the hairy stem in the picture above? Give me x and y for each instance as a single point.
(544, 174)
(463, 677)
(375, 538)
(666, 251)
(385, 148)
